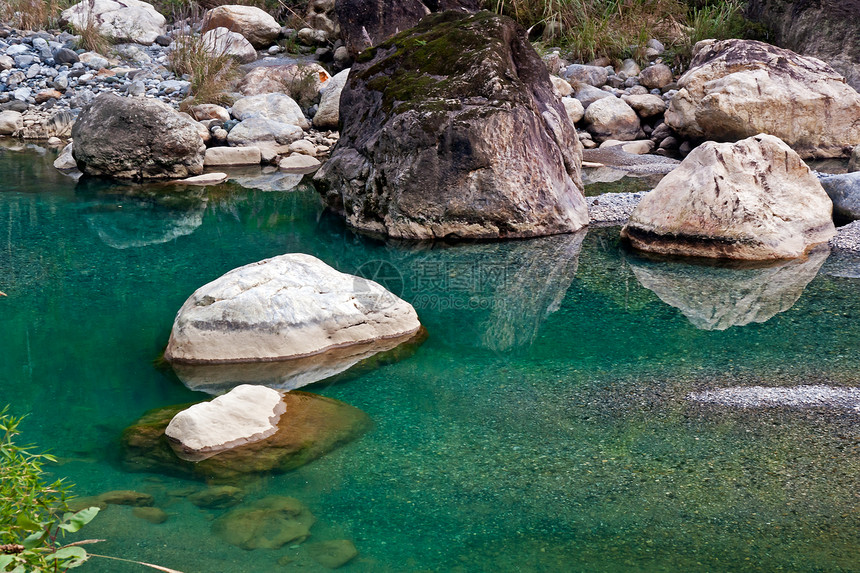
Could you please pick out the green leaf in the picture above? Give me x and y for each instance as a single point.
(5, 560)
(78, 520)
(27, 524)
(68, 553)
(35, 539)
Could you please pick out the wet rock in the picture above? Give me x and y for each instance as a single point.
(65, 160)
(136, 138)
(611, 118)
(328, 114)
(332, 554)
(286, 306)
(122, 20)
(755, 199)
(844, 191)
(150, 514)
(213, 178)
(719, 297)
(243, 415)
(126, 497)
(366, 23)
(414, 161)
(269, 523)
(217, 497)
(737, 88)
(254, 24)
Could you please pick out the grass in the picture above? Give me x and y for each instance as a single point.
(617, 29)
(92, 38)
(211, 73)
(32, 14)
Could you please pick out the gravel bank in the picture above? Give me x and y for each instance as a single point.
(612, 208)
(811, 396)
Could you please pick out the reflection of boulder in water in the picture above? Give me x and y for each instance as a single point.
(311, 426)
(493, 295)
(127, 216)
(299, 372)
(266, 181)
(716, 298)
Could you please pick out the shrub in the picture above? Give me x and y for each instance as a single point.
(212, 74)
(32, 14)
(91, 37)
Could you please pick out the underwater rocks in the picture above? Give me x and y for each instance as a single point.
(311, 426)
(752, 200)
(452, 129)
(269, 523)
(738, 88)
(284, 307)
(245, 414)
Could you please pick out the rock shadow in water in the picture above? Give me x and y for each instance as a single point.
(719, 297)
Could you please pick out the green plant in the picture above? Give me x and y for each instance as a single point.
(212, 70)
(34, 512)
(32, 14)
(86, 25)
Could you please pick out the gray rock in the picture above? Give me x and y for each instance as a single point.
(6, 62)
(611, 118)
(844, 191)
(65, 160)
(413, 164)
(24, 61)
(656, 76)
(136, 138)
(854, 161)
(10, 122)
(590, 75)
(629, 67)
(328, 113)
(587, 94)
(274, 106)
(65, 56)
(259, 131)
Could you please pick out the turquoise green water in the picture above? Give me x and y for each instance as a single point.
(543, 426)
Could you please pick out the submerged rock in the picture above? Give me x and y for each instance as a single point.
(136, 138)
(717, 298)
(333, 554)
(269, 523)
(312, 426)
(738, 88)
(451, 129)
(754, 200)
(284, 307)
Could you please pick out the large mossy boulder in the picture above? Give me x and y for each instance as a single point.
(366, 23)
(311, 426)
(451, 129)
(750, 200)
(738, 88)
(136, 138)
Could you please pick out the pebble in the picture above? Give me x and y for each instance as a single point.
(804, 396)
(847, 238)
(612, 208)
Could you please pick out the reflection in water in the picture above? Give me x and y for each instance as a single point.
(130, 215)
(253, 178)
(497, 294)
(716, 298)
(806, 396)
(291, 374)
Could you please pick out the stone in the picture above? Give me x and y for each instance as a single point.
(303, 146)
(122, 20)
(288, 306)
(645, 105)
(65, 56)
(737, 88)
(560, 86)
(299, 162)
(629, 67)
(136, 138)
(269, 523)
(320, 16)
(590, 75)
(302, 82)
(750, 200)
(719, 297)
(366, 23)
(254, 24)
(126, 497)
(451, 129)
(6, 62)
(844, 191)
(275, 106)
(221, 41)
(65, 161)
(205, 111)
(611, 118)
(587, 94)
(574, 108)
(150, 514)
(825, 29)
(640, 147)
(656, 76)
(332, 554)
(10, 122)
(312, 37)
(217, 497)
(243, 415)
(228, 156)
(854, 161)
(312, 426)
(46, 95)
(264, 134)
(328, 113)
(206, 179)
